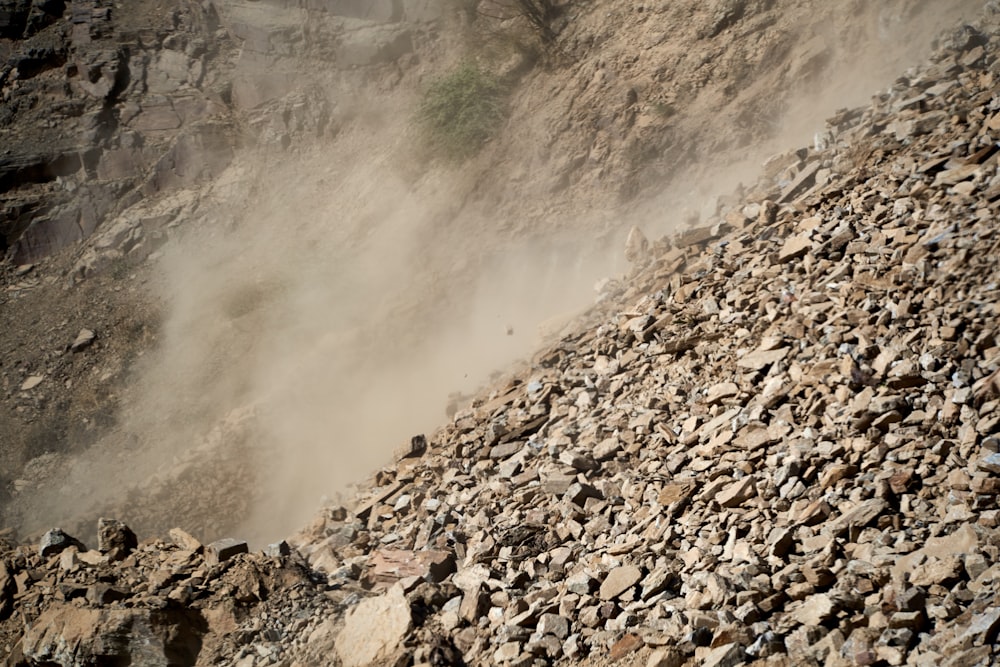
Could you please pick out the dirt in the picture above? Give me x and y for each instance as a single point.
(322, 302)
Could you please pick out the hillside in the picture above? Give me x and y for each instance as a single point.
(312, 251)
(772, 440)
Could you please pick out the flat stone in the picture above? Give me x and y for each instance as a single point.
(624, 646)
(859, 517)
(761, 359)
(815, 610)
(728, 655)
(31, 382)
(794, 247)
(737, 493)
(387, 566)
(720, 392)
(618, 581)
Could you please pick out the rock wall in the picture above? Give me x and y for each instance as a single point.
(104, 106)
(93, 103)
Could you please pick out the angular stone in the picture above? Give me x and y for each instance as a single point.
(859, 516)
(618, 581)
(374, 629)
(794, 247)
(224, 549)
(815, 610)
(665, 657)
(387, 566)
(941, 571)
(553, 624)
(55, 540)
(115, 539)
(761, 359)
(624, 646)
(720, 392)
(83, 340)
(737, 493)
(727, 655)
(184, 539)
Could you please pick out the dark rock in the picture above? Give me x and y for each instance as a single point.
(115, 539)
(55, 541)
(224, 549)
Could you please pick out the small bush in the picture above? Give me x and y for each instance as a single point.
(462, 110)
(540, 14)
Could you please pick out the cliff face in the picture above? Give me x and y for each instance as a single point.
(97, 112)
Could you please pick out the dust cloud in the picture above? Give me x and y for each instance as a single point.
(345, 305)
(340, 295)
(851, 51)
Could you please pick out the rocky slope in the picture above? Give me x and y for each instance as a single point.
(774, 443)
(426, 266)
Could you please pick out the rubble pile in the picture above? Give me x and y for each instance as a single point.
(776, 443)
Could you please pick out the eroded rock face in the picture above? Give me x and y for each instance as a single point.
(103, 107)
(67, 635)
(90, 102)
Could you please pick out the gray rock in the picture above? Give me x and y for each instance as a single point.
(55, 541)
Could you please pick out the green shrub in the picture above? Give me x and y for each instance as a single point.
(461, 110)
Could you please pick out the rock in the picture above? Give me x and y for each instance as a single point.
(185, 540)
(728, 655)
(553, 624)
(761, 359)
(858, 517)
(115, 539)
(32, 382)
(630, 643)
(794, 248)
(386, 566)
(815, 610)
(7, 590)
(224, 549)
(278, 549)
(636, 246)
(720, 392)
(368, 45)
(55, 541)
(665, 657)
(939, 571)
(83, 340)
(66, 635)
(375, 629)
(618, 581)
(737, 493)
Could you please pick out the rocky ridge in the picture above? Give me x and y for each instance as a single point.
(774, 443)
